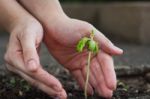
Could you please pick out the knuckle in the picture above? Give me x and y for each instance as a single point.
(34, 71)
(20, 35)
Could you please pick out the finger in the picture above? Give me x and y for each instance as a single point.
(106, 44)
(101, 88)
(47, 89)
(40, 74)
(50, 91)
(107, 67)
(47, 79)
(30, 54)
(80, 79)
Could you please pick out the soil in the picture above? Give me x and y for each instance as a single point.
(14, 87)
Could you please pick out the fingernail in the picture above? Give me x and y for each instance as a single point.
(31, 65)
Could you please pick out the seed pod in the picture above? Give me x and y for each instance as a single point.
(81, 44)
(92, 45)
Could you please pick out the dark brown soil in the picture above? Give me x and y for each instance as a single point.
(13, 87)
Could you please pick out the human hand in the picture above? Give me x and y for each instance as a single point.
(61, 38)
(22, 56)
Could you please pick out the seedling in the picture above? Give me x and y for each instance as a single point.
(25, 86)
(93, 48)
(123, 85)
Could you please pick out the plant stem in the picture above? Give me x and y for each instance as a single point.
(88, 68)
(88, 74)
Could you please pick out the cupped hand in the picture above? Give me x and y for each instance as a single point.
(22, 57)
(61, 38)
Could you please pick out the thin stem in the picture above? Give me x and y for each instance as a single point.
(88, 74)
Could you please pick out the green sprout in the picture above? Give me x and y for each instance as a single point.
(93, 48)
(123, 85)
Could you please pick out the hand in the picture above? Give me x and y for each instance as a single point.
(61, 38)
(22, 57)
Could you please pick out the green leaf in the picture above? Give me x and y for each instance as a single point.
(81, 44)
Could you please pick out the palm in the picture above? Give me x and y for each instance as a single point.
(62, 44)
(61, 41)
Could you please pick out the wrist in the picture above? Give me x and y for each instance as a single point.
(46, 11)
(54, 21)
(24, 24)
(16, 23)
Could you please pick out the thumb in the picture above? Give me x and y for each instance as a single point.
(30, 54)
(106, 45)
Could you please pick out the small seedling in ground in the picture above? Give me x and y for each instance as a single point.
(25, 86)
(123, 85)
(93, 48)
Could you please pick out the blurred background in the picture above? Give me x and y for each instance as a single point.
(121, 20)
(99, 0)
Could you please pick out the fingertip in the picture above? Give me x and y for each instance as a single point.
(112, 86)
(61, 95)
(90, 90)
(64, 94)
(117, 50)
(111, 83)
(107, 94)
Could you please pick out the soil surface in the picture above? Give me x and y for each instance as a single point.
(14, 87)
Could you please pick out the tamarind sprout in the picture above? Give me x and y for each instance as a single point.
(81, 44)
(93, 46)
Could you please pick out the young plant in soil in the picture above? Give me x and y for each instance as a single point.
(93, 48)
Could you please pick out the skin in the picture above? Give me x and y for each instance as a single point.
(61, 35)
(21, 57)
